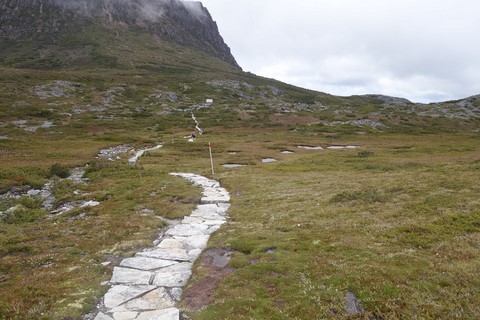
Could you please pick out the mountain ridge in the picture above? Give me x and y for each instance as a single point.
(184, 23)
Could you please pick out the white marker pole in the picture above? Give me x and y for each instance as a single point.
(211, 158)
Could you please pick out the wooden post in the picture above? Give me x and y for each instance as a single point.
(211, 158)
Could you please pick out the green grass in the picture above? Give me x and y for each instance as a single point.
(404, 240)
(396, 221)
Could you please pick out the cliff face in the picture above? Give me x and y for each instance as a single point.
(185, 23)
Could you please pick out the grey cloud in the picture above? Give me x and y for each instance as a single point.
(421, 50)
(150, 10)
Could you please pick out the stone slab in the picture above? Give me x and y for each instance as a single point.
(189, 220)
(166, 314)
(130, 276)
(194, 254)
(173, 279)
(173, 276)
(127, 315)
(194, 242)
(165, 254)
(120, 294)
(154, 300)
(185, 230)
(145, 263)
(102, 316)
(212, 229)
(170, 244)
(207, 215)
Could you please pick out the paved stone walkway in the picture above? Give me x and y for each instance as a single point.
(148, 285)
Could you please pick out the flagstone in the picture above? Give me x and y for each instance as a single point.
(102, 316)
(146, 263)
(212, 229)
(194, 254)
(170, 244)
(187, 230)
(194, 242)
(166, 314)
(119, 294)
(165, 254)
(190, 220)
(172, 279)
(127, 315)
(130, 276)
(154, 300)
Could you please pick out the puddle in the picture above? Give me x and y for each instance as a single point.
(268, 160)
(342, 147)
(310, 147)
(233, 165)
(287, 152)
(220, 258)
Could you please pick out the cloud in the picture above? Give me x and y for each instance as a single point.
(195, 8)
(422, 50)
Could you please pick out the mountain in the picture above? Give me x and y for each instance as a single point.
(104, 45)
(86, 85)
(56, 27)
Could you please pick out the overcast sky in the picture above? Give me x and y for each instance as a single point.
(422, 50)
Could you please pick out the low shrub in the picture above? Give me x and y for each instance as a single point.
(59, 170)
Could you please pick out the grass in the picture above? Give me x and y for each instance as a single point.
(404, 240)
(396, 222)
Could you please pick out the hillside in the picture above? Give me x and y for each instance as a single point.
(341, 207)
(55, 33)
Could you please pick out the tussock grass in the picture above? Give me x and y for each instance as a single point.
(395, 222)
(404, 240)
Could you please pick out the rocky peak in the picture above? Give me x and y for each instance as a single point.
(186, 23)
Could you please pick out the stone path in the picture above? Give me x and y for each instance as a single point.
(197, 125)
(148, 285)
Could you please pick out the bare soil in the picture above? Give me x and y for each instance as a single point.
(214, 263)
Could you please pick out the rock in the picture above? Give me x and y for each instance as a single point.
(153, 300)
(188, 220)
(102, 316)
(130, 276)
(173, 276)
(176, 293)
(145, 263)
(165, 254)
(127, 315)
(140, 153)
(310, 148)
(194, 254)
(353, 305)
(166, 314)
(120, 294)
(186, 230)
(113, 152)
(90, 203)
(173, 279)
(170, 244)
(194, 242)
